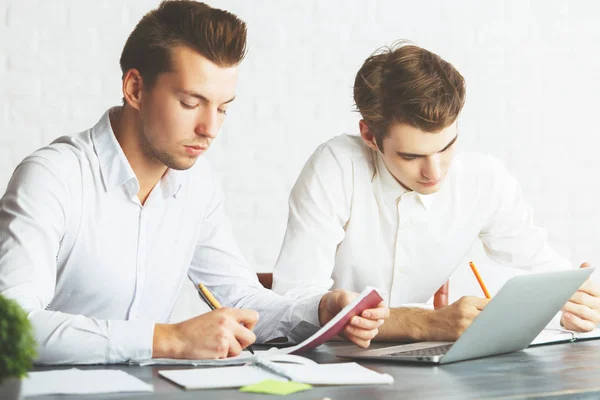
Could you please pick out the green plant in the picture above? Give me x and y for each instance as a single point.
(17, 344)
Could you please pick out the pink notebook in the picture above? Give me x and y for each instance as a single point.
(368, 298)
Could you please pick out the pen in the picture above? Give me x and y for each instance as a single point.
(485, 291)
(213, 303)
(272, 368)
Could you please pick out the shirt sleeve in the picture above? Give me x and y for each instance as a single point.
(219, 265)
(319, 209)
(33, 219)
(510, 236)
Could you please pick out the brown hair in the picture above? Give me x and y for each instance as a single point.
(218, 35)
(409, 85)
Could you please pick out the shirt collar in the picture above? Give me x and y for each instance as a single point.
(114, 166)
(391, 189)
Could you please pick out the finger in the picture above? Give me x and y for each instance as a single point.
(243, 336)
(248, 318)
(576, 324)
(234, 347)
(586, 300)
(585, 265)
(363, 323)
(582, 312)
(479, 303)
(359, 341)
(590, 287)
(381, 312)
(358, 333)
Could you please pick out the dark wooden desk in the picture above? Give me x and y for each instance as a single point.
(557, 371)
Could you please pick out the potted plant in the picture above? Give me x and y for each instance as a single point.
(17, 348)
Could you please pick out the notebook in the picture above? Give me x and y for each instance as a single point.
(548, 336)
(368, 298)
(316, 374)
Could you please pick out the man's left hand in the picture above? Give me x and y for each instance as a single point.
(582, 311)
(361, 328)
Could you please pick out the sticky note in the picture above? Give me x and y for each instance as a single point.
(271, 386)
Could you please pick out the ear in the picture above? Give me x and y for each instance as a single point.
(132, 88)
(367, 136)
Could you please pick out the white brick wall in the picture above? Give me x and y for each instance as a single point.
(531, 69)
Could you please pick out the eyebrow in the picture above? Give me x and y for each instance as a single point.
(422, 155)
(203, 98)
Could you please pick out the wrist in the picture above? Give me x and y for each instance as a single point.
(164, 343)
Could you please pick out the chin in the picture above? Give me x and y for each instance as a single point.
(182, 165)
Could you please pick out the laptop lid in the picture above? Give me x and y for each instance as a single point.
(515, 316)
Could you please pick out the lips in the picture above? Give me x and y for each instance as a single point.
(200, 148)
(429, 183)
(195, 151)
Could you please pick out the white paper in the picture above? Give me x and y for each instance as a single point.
(318, 374)
(75, 381)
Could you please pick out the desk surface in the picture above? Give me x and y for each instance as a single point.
(561, 371)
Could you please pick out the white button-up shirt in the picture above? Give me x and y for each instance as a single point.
(95, 270)
(352, 224)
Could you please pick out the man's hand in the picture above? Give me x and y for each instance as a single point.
(361, 329)
(218, 334)
(450, 322)
(582, 311)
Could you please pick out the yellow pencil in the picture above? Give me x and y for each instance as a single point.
(485, 291)
(213, 303)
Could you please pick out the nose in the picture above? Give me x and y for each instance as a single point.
(208, 123)
(432, 168)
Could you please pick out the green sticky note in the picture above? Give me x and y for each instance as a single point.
(271, 386)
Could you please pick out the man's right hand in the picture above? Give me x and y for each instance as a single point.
(448, 323)
(218, 334)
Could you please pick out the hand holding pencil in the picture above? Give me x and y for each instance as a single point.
(449, 322)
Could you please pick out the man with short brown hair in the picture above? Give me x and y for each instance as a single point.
(99, 230)
(395, 209)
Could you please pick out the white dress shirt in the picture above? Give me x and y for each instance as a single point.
(352, 224)
(95, 270)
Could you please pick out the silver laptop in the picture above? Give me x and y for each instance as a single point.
(514, 317)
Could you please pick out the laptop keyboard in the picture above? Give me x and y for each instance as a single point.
(429, 351)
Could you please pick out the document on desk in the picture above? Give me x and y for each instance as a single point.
(317, 374)
(76, 381)
(368, 298)
(555, 333)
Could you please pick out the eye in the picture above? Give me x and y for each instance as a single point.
(405, 158)
(222, 111)
(188, 106)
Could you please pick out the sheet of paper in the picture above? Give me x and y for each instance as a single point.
(335, 374)
(75, 381)
(318, 374)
